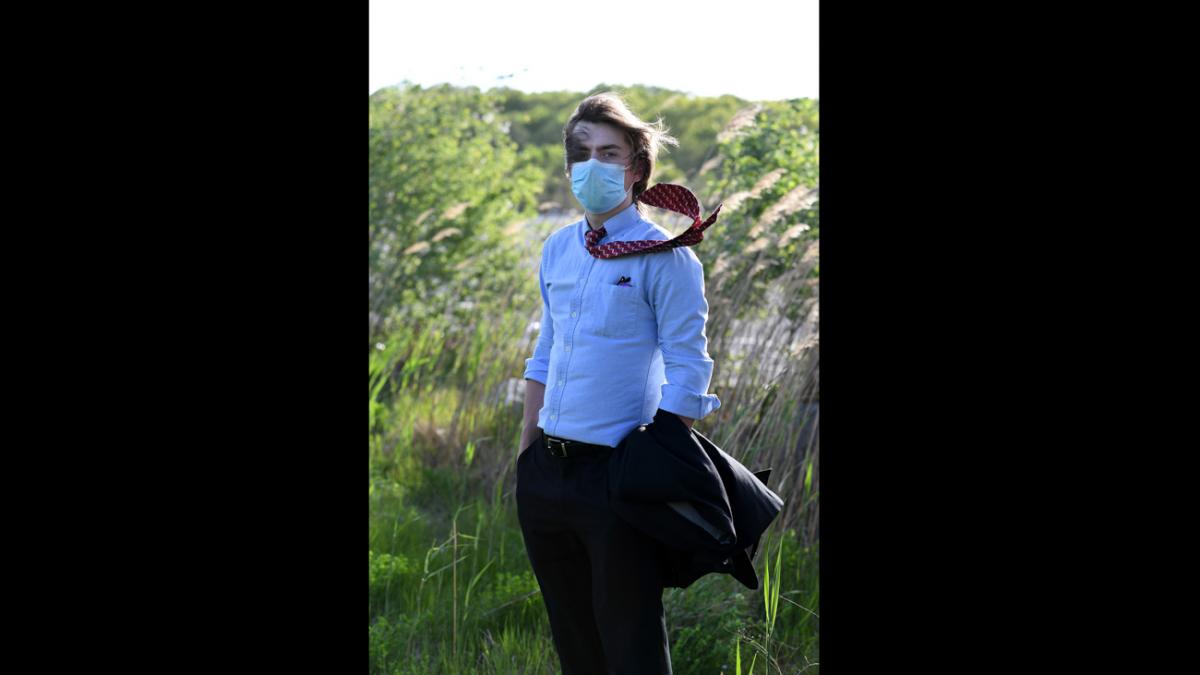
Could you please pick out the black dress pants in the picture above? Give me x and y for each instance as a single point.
(601, 579)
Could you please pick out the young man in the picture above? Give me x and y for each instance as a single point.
(621, 338)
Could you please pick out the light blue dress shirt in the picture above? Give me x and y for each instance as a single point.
(611, 355)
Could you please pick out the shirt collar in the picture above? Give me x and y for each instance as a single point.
(620, 227)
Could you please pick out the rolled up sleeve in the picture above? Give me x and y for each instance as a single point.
(682, 312)
(537, 367)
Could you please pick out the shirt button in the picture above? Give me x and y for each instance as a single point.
(562, 382)
(572, 315)
(567, 348)
(554, 417)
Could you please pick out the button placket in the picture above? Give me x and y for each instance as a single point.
(568, 340)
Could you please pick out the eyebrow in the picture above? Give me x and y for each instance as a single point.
(603, 147)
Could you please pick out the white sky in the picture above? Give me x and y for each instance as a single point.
(755, 49)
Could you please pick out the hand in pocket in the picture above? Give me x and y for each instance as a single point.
(536, 439)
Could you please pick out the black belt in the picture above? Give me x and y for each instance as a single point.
(562, 447)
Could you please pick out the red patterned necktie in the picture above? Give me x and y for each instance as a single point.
(667, 196)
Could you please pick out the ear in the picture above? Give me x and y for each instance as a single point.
(638, 172)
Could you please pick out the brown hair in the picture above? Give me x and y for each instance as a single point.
(645, 138)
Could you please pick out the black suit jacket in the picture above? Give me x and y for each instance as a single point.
(704, 508)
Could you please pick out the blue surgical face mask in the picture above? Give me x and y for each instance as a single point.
(598, 186)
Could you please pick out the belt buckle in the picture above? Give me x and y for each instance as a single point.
(561, 443)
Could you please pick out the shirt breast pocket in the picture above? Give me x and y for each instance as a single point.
(621, 309)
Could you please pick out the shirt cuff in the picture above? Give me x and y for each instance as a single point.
(536, 371)
(680, 401)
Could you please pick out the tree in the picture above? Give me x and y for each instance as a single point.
(445, 181)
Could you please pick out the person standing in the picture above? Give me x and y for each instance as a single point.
(622, 337)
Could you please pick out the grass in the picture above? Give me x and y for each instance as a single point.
(452, 591)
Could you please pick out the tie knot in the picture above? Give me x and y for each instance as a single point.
(596, 235)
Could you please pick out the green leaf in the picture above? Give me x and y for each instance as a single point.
(767, 587)
(775, 585)
(471, 586)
